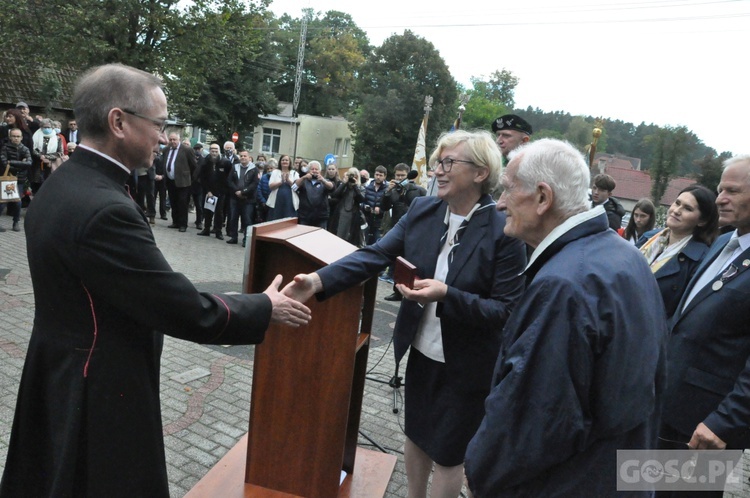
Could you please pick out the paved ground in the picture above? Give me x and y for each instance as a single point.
(203, 417)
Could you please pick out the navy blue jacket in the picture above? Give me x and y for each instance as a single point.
(709, 357)
(579, 373)
(484, 283)
(676, 273)
(374, 198)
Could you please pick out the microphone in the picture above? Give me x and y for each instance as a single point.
(413, 174)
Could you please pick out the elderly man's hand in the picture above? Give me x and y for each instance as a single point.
(705, 439)
(286, 311)
(303, 287)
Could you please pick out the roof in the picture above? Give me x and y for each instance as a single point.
(635, 185)
(25, 82)
(605, 160)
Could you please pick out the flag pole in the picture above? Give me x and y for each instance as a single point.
(419, 162)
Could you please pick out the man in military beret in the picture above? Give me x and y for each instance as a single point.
(511, 131)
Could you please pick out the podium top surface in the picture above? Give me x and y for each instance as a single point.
(315, 242)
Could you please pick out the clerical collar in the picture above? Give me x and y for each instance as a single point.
(105, 156)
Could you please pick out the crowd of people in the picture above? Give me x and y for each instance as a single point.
(542, 336)
(31, 148)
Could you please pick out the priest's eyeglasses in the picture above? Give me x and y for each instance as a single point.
(161, 124)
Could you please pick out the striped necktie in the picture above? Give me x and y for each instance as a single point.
(456, 240)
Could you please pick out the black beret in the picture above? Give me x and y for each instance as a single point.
(511, 122)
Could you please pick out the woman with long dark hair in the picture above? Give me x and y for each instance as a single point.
(675, 252)
(14, 119)
(283, 202)
(642, 219)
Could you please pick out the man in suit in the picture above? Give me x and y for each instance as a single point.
(179, 166)
(583, 354)
(706, 402)
(88, 419)
(72, 135)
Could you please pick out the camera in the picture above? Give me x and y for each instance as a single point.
(353, 179)
(315, 176)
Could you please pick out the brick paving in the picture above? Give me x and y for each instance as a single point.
(205, 417)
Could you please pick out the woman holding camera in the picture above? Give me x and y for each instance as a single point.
(313, 189)
(468, 281)
(346, 221)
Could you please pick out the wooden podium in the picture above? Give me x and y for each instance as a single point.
(308, 384)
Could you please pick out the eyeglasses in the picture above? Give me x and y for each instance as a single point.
(162, 124)
(447, 164)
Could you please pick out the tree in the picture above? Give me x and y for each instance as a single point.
(671, 145)
(500, 87)
(228, 87)
(203, 51)
(710, 169)
(335, 50)
(395, 79)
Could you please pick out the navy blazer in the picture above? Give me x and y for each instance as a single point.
(676, 273)
(484, 283)
(708, 360)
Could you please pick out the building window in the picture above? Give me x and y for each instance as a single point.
(337, 147)
(271, 140)
(347, 144)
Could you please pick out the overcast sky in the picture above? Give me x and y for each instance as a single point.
(681, 62)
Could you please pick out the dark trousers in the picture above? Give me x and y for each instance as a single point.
(160, 189)
(14, 207)
(196, 192)
(178, 198)
(240, 209)
(144, 195)
(372, 234)
(217, 215)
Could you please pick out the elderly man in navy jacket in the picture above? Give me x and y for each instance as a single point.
(583, 354)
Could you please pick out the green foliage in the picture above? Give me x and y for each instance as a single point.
(500, 87)
(394, 81)
(50, 91)
(490, 99)
(335, 50)
(710, 169)
(221, 83)
(671, 146)
(205, 52)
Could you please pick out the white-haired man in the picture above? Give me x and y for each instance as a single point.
(582, 360)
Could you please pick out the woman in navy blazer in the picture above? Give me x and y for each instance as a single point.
(675, 252)
(469, 280)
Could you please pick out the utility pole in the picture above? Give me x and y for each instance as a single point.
(298, 75)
